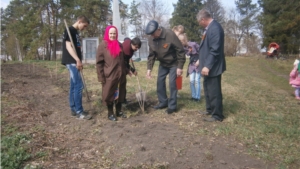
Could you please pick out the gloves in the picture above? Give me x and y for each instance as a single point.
(132, 69)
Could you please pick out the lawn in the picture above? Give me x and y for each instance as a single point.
(261, 112)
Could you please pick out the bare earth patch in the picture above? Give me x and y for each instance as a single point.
(37, 104)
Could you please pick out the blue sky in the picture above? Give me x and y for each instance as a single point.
(4, 3)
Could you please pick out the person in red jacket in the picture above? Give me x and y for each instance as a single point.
(129, 47)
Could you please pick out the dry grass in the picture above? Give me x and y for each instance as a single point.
(260, 110)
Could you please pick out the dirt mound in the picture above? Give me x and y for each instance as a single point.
(36, 103)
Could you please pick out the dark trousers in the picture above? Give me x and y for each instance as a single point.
(213, 96)
(161, 87)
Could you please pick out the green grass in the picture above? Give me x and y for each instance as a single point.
(266, 116)
(13, 151)
(260, 110)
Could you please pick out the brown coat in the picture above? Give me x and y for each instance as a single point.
(111, 72)
(167, 49)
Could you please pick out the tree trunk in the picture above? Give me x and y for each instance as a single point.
(54, 29)
(48, 51)
(38, 55)
(18, 50)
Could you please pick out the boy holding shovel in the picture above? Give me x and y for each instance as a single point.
(129, 47)
(72, 60)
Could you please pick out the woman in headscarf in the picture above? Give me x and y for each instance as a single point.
(111, 72)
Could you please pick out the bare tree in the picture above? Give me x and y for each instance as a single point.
(233, 33)
(154, 10)
(248, 22)
(252, 43)
(20, 57)
(216, 10)
(235, 40)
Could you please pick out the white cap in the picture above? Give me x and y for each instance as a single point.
(296, 62)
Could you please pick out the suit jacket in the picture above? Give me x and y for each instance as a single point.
(211, 52)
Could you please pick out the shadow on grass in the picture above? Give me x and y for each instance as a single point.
(231, 106)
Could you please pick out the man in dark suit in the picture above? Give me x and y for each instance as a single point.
(212, 65)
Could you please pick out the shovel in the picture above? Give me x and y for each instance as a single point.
(141, 95)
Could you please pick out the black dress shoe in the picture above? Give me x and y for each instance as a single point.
(112, 118)
(204, 113)
(211, 119)
(126, 101)
(170, 111)
(196, 100)
(159, 107)
(121, 114)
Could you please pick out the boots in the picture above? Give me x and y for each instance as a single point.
(110, 114)
(119, 111)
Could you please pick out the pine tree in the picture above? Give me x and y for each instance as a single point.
(124, 16)
(13, 33)
(154, 10)
(280, 21)
(216, 10)
(135, 19)
(185, 12)
(95, 10)
(31, 26)
(248, 13)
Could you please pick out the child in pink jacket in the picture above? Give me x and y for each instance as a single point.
(295, 79)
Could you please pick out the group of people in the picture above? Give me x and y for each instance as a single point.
(170, 48)
(112, 63)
